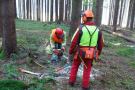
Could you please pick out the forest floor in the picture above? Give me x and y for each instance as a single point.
(117, 61)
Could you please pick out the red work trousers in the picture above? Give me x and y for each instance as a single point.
(86, 71)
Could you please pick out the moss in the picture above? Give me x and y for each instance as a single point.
(125, 51)
(2, 55)
(12, 85)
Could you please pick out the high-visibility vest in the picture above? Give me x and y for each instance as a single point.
(85, 38)
(54, 37)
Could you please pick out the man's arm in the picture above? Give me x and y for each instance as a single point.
(51, 42)
(64, 42)
(74, 42)
(100, 42)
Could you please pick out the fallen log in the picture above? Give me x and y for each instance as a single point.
(29, 72)
(120, 35)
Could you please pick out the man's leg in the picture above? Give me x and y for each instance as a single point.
(74, 69)
(86, 73)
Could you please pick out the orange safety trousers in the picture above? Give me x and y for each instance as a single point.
(86, 71)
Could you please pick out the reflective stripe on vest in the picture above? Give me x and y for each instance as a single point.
(54, 37)
(85, 39)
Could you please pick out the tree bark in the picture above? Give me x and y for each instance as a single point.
(38, 10)
(61, 9)
(123, 12)
(94, 7)
(111, 12)
(1, 27)
(99, 9)
(48, 10)
(130, 13)
(116, 15)
(27, 6)
(30, 11)
(56, 10)
(45, 10)
(9, 32)
(121, 9)
(75, 19)
(51, 15)
(66, 8)
(42, 9)
(15, 9)
(132, 16)
(23, 9)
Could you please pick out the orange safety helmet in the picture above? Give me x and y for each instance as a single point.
(86, 14)
(59, 33)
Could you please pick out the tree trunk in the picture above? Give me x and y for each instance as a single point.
(23, 9)
(99, 9)
(45, 10)
(20, 11)
(121, 9)
(75, 19)
(130, 13)
(111, 12)
(1, 27)
(30, 11)
(27, 6)
(94, 7)
(69, 10)
(61, 9)
(132, 16)
(56, 10)
(66, 8)
(116, 15)
(15, 9)
(42, 9)
(51, 15)
(48, 10)
(9, 32)
(38, 10)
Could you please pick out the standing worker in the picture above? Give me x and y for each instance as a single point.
(86, 45)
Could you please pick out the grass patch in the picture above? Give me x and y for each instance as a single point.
(125, 51)
(110, 40)
(2, 54)
(132, 64)
(12, 85)
(29, 25)
(35, 25)
(128, 84)
(11, 71)
(40, 84)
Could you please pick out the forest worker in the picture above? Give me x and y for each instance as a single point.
(86, 45)
(57, 41)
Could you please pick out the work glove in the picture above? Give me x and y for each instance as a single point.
(63, 49)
